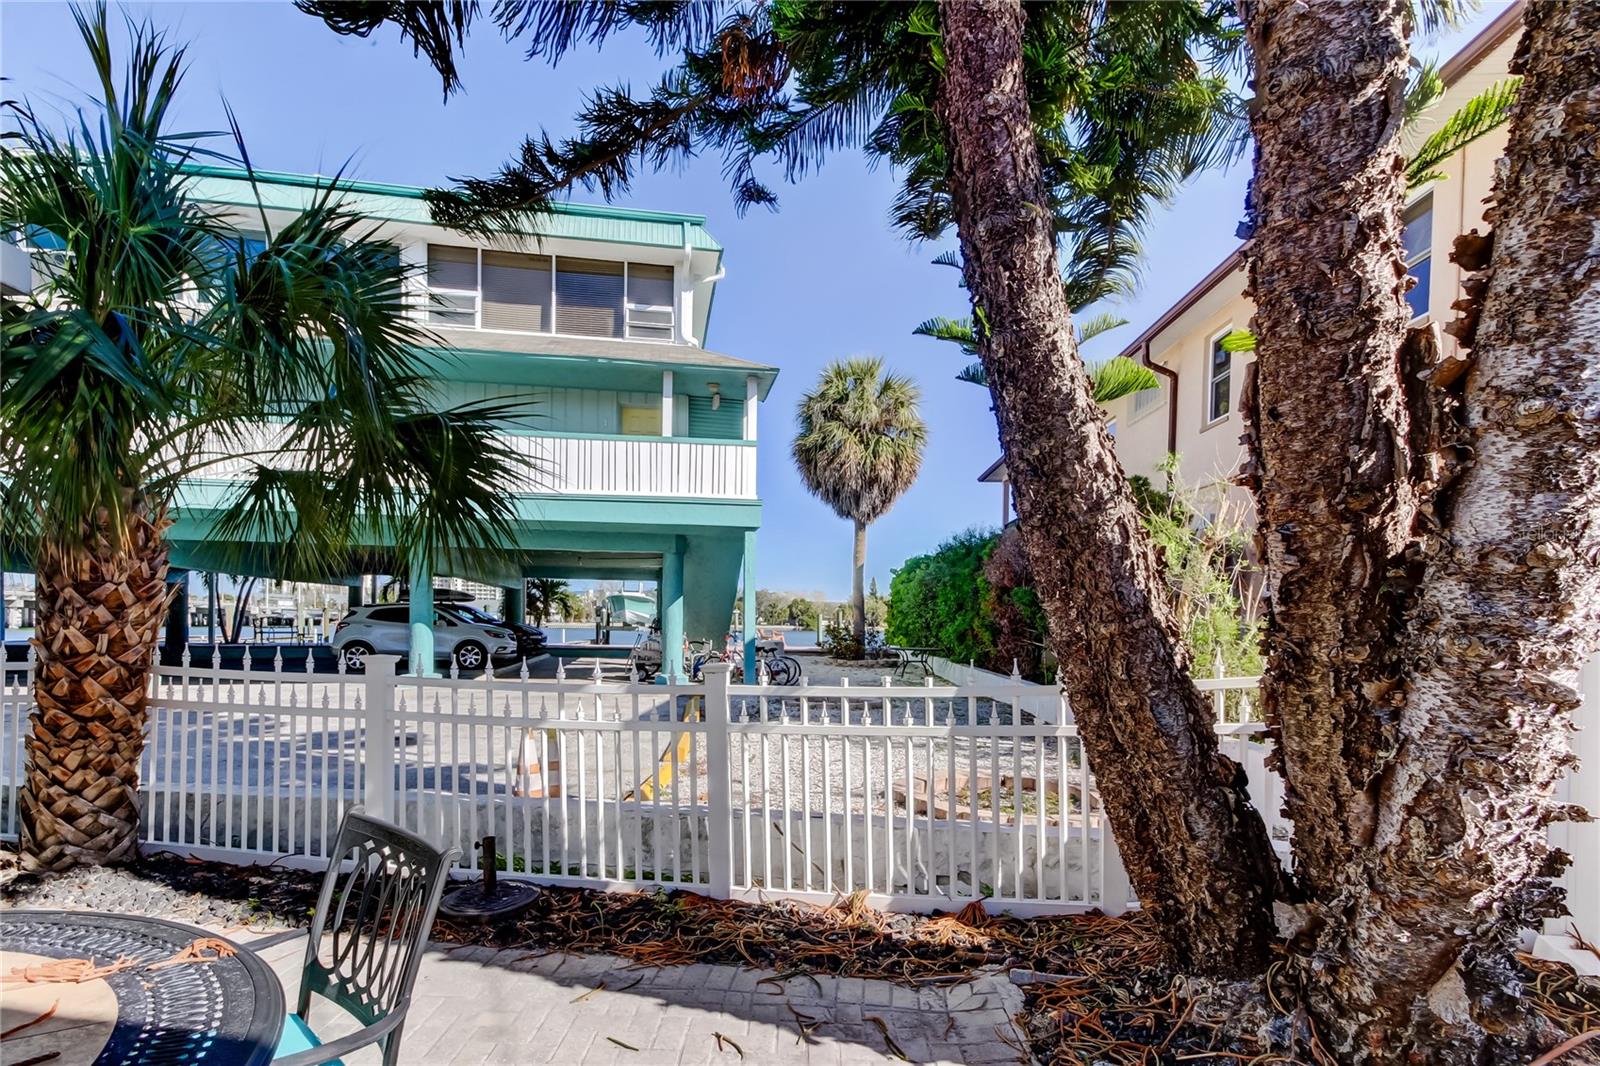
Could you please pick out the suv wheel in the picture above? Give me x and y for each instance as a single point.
(355, 655)
(470, 655)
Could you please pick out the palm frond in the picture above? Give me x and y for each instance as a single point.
(1097, 324)
(1240, 340)
(974, 374)
(1423, 89)
(435, 28)
(1482, 114)
(1119, 377)
(954, 330)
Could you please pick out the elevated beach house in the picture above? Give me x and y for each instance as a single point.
(640, 442)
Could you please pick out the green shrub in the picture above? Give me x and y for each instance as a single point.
(972, 597)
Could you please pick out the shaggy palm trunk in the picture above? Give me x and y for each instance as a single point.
(1331, 469)
(858, 595)
(1196, 851)
(100, 612)
(1434, 581)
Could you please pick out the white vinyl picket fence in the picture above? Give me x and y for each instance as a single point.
(922, 796)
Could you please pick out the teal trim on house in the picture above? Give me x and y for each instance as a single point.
(404, 203)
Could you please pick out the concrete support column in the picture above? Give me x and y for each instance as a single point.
(514, 603)
(747, 616)
(355, 594)
(672, 616)
(177, 615)
(420, 659)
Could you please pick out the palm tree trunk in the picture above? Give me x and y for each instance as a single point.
(100, 612)
(1453, 859)
(1197, 853)
(1331, 467)
(858, 571)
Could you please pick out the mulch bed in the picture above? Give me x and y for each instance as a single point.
(1099, 990)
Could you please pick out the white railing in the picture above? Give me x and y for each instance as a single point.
(570, 466)
(646, 466)
(923, 797)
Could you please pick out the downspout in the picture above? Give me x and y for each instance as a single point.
(1172, 405)
(710, 279)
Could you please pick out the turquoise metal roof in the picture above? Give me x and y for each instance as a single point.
(404, 203)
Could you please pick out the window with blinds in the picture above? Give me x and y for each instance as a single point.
(452, 285)
(516, 291)
(482, 289)
(589, 297)
(650, 301)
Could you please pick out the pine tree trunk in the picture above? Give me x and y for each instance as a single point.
(99, 623)
(858, 600)
(1197, 853)
(1433, 538)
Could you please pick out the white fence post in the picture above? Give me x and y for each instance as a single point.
(379, 683)
(1114, 885)
(719, 782)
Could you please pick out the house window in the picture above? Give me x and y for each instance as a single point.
(650, 300)
(639, 421)
(1219, 376)
(484, 289)
(589, 297)
(1148, 400)
(452, 285)
(516, 292)
(1417, 236)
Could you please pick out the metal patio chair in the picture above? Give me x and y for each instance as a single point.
(378, 927)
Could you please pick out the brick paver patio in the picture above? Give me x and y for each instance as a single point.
(485, 1005)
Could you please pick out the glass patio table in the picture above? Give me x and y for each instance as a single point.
(226, 1011)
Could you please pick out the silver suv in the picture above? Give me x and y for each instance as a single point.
(385, 628)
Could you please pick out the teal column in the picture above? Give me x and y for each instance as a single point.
(352, 594)
(421, 658)
(748, 615)
(514, 603)
(672, 617)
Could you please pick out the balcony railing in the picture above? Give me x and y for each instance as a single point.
(569, 465)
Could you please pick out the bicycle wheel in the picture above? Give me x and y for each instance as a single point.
(782, 670)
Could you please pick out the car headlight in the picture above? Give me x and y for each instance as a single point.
(498, 634)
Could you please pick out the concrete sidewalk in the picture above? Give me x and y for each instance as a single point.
(483, 1005)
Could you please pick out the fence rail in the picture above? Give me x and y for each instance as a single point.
(922, 796)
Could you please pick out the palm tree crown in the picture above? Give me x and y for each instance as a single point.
(860, 439)
(163, 337)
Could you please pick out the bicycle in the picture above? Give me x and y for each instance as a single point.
(780, 669)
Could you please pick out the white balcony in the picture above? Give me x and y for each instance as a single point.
(639, 467)
(657, 467)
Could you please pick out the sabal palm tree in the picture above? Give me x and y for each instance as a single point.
(158, 341)
(547, 595)
(859, 447)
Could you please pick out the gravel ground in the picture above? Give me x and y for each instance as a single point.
(163, 885)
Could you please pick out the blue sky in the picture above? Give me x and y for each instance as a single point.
(821, 278)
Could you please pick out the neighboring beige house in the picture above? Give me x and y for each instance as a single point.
(1196, 411)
